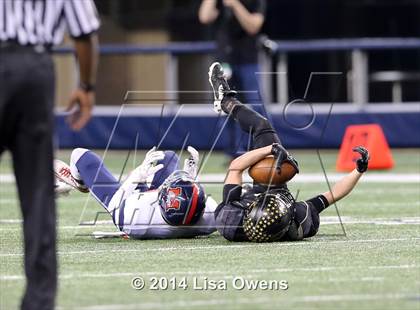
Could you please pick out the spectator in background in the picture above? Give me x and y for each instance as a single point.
(237, 25)
(28, 29)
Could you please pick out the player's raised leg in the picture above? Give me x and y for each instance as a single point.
(88, 167)
(252, 122)
(63, 175)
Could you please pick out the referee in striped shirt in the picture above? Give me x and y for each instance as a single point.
(28, 30)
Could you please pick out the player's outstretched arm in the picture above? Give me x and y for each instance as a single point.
(343, 187)
(243, 162)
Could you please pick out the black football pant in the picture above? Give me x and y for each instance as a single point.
(26, 124)
(252, 122)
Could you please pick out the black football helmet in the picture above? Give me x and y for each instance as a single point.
(269, 217)
(181, 199)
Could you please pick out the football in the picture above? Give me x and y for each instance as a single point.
(265, 172)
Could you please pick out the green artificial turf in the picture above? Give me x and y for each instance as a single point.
(375, 266)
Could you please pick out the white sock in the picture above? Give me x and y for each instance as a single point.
(74, 158)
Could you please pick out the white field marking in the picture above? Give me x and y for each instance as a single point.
(370, 279)
(16, 199)
(97, 223)
(7, 178)
(329, 220)
(325, 220)
(251, 272)
(365, 204)
(191, 274)
(306, 243)
(370, 177)
(360, 190)
(382, 191)
(399, 193)
(252, 301)
(386, 204)
(11, 221)
(8, 200)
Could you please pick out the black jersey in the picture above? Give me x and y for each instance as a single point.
(231, 212)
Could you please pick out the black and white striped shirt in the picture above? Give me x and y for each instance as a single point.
(34, 22)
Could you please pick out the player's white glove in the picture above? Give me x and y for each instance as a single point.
(148, 168)
(138, 175)
(191, 163)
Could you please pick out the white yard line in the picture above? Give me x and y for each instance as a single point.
(325, 220)
(371, 177)
(224, 273)
(11, 221)
(224, 247)
(333, 220)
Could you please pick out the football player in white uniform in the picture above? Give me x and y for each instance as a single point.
(171, 205)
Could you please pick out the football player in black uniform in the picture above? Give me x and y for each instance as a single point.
(267, 212)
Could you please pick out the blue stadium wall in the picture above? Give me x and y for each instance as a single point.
(402, 129)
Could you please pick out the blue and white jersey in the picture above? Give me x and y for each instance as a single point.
(136, 212)
(139, 216)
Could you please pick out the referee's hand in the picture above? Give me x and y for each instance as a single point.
(80, 107)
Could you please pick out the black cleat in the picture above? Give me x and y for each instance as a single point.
(219, 84)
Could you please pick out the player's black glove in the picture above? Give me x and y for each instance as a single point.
(282, 155)
(279, 152)
(362, 162)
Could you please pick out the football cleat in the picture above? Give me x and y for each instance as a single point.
(62, 189)
(62, 173)
(219, 84)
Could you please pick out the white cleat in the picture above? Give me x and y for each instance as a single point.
(61, 188)
(62, 173)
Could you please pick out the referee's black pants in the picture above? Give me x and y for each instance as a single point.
(26, 125)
